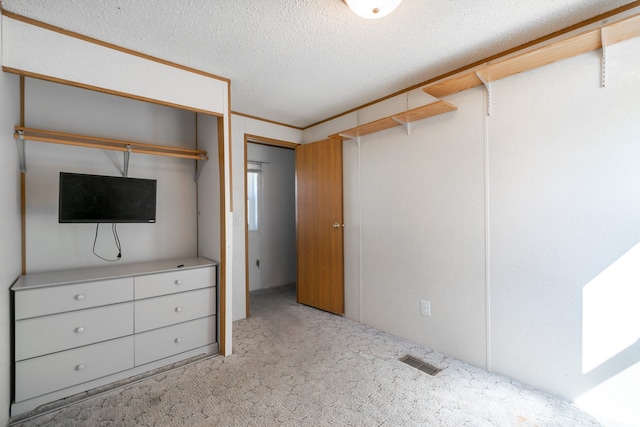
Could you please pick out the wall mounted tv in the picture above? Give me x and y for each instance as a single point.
(106, 199)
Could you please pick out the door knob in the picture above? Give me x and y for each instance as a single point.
(337, 225)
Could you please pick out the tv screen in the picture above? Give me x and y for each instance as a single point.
(106, 199)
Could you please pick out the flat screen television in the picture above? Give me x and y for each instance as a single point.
(106, 199)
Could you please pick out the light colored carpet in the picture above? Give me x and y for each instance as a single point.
(297, 366)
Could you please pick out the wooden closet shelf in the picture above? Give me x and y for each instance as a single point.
(543, 55)
(406, 117)
(429, 110)
(106, 143)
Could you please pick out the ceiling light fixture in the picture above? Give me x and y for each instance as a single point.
(372, 9)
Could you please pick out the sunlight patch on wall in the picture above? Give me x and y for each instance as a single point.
(610, 314)
(615, 401)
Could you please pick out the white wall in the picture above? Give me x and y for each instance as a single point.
(209, 219)
(241, 126)
(564, 206)
(419, 208)
(546, 193)
(278, 214)
(10, 259)
(53, 246)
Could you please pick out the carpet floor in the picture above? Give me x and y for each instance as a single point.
(296, 366)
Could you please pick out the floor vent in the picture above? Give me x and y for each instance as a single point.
(419, 364)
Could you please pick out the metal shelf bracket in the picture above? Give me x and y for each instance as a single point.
(603, 39)
(405, 125)
(345, 136)
(199, 165)
(21, 151)
(487, 86)
(126, 161)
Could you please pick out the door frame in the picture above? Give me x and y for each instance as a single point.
(255, 139)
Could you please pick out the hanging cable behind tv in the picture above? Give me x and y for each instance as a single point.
(114, 230)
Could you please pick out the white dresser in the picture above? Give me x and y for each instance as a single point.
(80, 329)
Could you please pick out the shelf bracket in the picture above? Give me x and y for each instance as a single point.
(21, 151)
(345, 136)
(487, 86)
(405, 125)
(199, 165)
(126, 161)
(603, 39)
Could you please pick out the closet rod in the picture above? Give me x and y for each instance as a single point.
(106, 143)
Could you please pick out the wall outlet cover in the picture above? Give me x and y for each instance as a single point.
(425, 308)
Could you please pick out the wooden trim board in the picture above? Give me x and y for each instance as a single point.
(23, 73)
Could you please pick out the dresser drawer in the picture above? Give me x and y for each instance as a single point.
(58, 299)
(153, 285)
(35, 377)
(165, 342)
(162, 311)
(48, 334)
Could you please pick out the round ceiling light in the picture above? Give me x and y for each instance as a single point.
(372, 9)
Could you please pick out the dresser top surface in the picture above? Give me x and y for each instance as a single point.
(65, 277)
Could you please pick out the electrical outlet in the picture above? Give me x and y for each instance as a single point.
(425, 307)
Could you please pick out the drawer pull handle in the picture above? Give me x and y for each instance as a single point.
(79, 297)
(178, 340)
(178, 282)
(178, 309)
(80, 367)
(80, 330)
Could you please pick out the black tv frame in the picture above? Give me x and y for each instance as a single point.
(85, 198)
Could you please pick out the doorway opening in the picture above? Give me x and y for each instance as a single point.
(270, 227)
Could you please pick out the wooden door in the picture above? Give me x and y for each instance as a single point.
(320, 225)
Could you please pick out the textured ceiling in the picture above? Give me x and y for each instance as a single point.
(301, 61)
